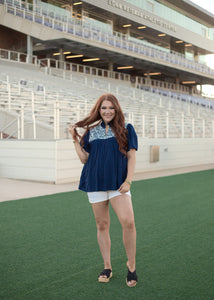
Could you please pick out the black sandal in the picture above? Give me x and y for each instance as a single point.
(131, 276)
(107, 273)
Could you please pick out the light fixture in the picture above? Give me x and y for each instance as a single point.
(179, 42)
(188, 82)
(155, 73)
(126, 67)
(162, 34)
(66, 52)
(188, 45)
(90, 59)
(55, 54)
(141, 27)
(77, 3)
(74, 56)
(127, 25)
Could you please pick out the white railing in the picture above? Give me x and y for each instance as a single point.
(115, 39)
(65, 69)
(18, 56)
(60, 110)
(172, 90)
(48, 63)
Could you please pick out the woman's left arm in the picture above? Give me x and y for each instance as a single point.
(131, 157)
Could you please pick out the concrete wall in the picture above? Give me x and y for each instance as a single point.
(68, 165)
(57, 162)
(28, 160)
(175, 153)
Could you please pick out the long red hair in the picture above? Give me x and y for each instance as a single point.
(117, 124)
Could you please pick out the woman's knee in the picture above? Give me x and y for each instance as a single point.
(128, 223)
(102, 224)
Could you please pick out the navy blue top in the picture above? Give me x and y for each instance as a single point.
(106, 167)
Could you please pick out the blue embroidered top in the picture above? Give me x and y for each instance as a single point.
(106, 167)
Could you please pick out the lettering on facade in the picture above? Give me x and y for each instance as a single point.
(141, 14)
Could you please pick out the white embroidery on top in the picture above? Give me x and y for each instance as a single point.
(99, 132)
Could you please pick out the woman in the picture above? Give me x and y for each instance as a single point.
(107, 149)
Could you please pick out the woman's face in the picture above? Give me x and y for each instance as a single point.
(107, 111)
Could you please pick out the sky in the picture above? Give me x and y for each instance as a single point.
(206, 4)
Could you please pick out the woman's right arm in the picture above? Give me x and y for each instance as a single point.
(82, 154)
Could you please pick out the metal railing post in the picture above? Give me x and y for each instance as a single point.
(143, 126)
(9, 96)
(22, 122)
(182, 125)
(18, 128)
(44, 94)
(203, 128)
(156, 126)
(32, 102)
(193, 128)
(56, 119)
(167, 124)
(34, 126)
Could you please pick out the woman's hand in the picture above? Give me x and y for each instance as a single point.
(82, 154)
(124, 188)
(73, 131)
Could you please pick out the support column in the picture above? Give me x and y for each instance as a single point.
(196, 56)
(148, 79)
(29, 49)
(177, 82)
(201, 89)
(111, 68)
(61, 59)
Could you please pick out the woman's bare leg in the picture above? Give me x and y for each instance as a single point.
(122, 205)
(101, 213)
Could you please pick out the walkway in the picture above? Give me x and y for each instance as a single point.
(17, 189)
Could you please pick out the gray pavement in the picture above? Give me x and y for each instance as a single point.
(18, 189)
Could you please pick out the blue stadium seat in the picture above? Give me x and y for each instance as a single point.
(58, 27)
(28, 17)
(38, 20)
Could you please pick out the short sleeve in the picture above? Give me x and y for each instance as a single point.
(87, 146)
(132, 138)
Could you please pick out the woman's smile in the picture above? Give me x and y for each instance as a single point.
(107, 111)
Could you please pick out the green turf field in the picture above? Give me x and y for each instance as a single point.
(48, 246)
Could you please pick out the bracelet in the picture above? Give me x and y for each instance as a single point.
(128, 182)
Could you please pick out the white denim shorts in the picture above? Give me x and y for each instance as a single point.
(95, 197)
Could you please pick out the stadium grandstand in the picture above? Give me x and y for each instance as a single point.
(58, 57)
